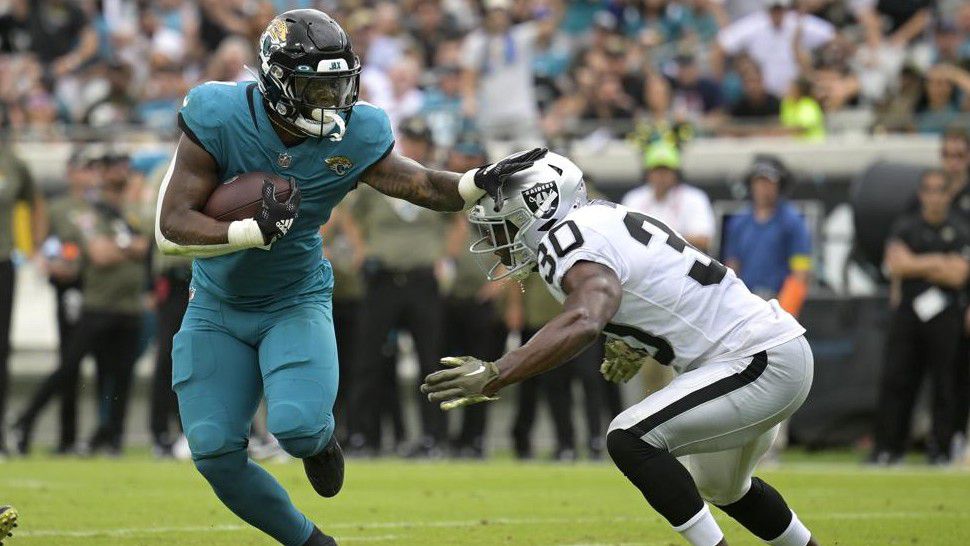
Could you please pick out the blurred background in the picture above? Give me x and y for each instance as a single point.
(792, 139)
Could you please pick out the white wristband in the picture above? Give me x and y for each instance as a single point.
(468, 190)
(245, 234)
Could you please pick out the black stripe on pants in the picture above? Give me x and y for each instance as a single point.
(716, 389)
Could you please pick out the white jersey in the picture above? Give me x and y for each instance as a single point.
(682, 305)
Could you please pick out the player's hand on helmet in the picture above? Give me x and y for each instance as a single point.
(492, 177)
(275, 218)
(622, 362)
(462, 384)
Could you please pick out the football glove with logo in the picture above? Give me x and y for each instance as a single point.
(622, 362)
(275, 218)
(491, 178)
(463, 384)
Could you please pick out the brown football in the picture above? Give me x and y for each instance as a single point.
(241, 196)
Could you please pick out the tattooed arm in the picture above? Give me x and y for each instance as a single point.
(405, 178)
(398, 176)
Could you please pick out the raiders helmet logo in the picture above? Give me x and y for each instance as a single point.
(542, 199)
(339, 164)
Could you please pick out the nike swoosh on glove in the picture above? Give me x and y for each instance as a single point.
(462, 385)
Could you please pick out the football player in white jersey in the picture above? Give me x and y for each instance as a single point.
(743, 364)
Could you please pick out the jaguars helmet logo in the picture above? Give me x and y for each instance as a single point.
(339, 164)
(274, 37)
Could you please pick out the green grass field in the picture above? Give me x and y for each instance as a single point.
(136, 501)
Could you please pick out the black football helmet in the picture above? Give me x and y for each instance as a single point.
(308, 71)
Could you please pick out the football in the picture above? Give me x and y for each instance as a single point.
(240, 197)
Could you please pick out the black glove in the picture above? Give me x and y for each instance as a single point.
(492, 177)
(275, 219)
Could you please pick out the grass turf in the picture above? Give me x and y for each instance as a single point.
(137, 501)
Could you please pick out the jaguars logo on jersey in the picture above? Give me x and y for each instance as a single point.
(339, 164)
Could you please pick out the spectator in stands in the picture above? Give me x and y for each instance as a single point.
(69, 215)
(666, 197)
(768, 243)
(56, 31)
(405, 98)
(219, 19)
(893, 22)
(773, 38)
(498, 87)
(431, 25)
(940, 104)
(17, 188)
(928, 260)
(228, 63)
(801, 114)
(402, 243)
(117, 105)
(756, 104)
(955, 158)
(441, 106)
(695, 97)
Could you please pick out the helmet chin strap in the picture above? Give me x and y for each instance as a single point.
(339, 123)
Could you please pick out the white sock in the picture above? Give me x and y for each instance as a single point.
(795, 535)
(702, 530)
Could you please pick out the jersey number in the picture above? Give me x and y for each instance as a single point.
(706, 274)
(562, 244)
(705, 270)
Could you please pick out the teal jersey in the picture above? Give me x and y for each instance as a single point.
(231, 123)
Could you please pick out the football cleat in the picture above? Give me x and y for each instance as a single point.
(8, 520)
(325, 470)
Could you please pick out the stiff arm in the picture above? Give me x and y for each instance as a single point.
(404, 178)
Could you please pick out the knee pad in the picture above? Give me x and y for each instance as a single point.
(300, 437)
(662, 480)
(206, 439)
(628, 451)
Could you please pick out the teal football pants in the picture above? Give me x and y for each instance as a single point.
(224, 358)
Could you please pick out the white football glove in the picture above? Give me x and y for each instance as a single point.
(622, 362)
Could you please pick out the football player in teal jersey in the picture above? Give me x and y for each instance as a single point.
(259, 318)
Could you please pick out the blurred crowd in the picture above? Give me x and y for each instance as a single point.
(514, 69)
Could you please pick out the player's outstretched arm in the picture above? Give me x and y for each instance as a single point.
(399, 176)
(594, 293)
(180, 227)
(405, 178)
(593, 297)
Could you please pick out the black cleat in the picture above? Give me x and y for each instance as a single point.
(318, 538)
(325, 470)
(8, 520)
